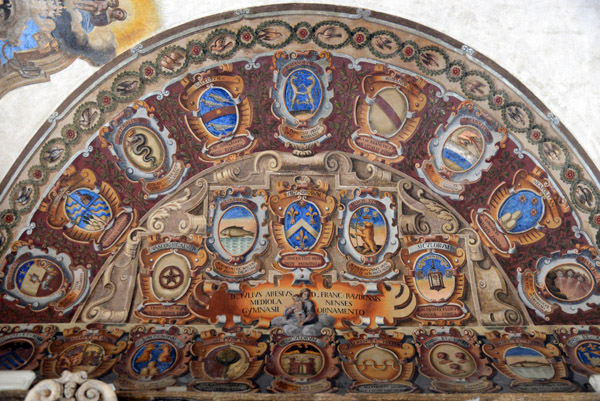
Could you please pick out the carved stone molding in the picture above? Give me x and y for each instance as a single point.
(72, 386)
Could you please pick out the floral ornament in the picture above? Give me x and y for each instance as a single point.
(148, 72)
(196, 51)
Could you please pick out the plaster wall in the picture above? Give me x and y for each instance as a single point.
(551, 46)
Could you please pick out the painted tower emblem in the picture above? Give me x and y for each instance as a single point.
(368, 235)
(237, 224)
(220, 113)
(38, 279)
(461, 150)
(171, 269)
(534, 366)
(87, 210)
(144, 150)
(566, 282)
(302, 98)
(516, 215)
(386, 114)
(434, 276)
(303, 227)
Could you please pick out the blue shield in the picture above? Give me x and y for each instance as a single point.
(154, 358)
(218, 112)
(88, 210)
(303, 94)
(521, 211)
(302, 225)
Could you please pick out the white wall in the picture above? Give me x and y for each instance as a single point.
(549, 45)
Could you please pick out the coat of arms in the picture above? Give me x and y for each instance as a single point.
(386, 114)
(516, 215)
(143, 149)
(435, 276)
(88, 210)
(227, 361)
(22, 348)
(302, 99)
(220, 113)
(171, 269)
(461, 150)
(582, 348)
(302, 227)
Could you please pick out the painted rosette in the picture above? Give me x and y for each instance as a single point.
(463, 149)
(303, 94)
(144, 149)
(521, 212)
(387, 111)
(237, 230)
(218, 112)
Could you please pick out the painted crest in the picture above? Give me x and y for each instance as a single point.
(302, 364)
(517, 214)
(524, 357)
(461, 151)
(227, 361)
(154, 358)
(378, 363)
(237, 225)
(91, 350)
(568, 282)
(220, 113)
(453, 361)
(38, 279)
(582, 348)
(302, 227)
(22, 348)
(386, 114)
(368, 235)
(144, 150)
(301, 98)
(171, 270)
(435, 276)
(88, 211)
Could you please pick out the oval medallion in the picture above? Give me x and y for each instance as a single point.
(569, 282)
(171, 277)
(463, 149)
(302, 225)
(303, 94)
(529, 363)
(388, 111)
(153, 359)
(227, 363)
(588, 353)
(452, 361)
(143, 148)
(38, 278)
(302, 360)
(367, 230)
(81, 357)
(434, 277)
(378, 364)
(238, 228)
(521, 211)
(15, 354)
(218, 112)
(88, 210)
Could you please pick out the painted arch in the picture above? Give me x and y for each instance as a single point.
(276, 199)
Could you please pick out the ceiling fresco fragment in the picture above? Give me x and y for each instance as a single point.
(302, 201)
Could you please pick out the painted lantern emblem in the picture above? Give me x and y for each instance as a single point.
(301, 98)
(303, 227)
(368, 235)
(534, 366)
(154, 358)
(91, 351)
(565, 282)
(171, 271)
(88, 211)
(435, 278)
(303, 363)
(378, 363)
(238, 230)
(386, 114)
(516, 215)
(582, 349)
(453, 361)
(461, 150)
(23, 348)
(144, 150)
(40, 279)
(220, 113)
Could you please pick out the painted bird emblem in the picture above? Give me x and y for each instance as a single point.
(269, 34)
(429, 59)
(87, 117)
(329, 33)
(515, 114)
(53, 154)
(24, 195)
(220, 44)
(126, 87)
(383, 42)
(474, 86)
